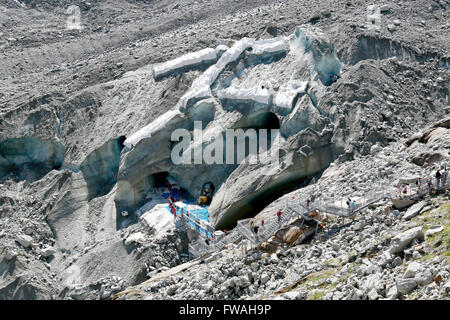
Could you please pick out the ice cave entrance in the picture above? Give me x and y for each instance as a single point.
(259, 120)
(165, 185)
(29, 158)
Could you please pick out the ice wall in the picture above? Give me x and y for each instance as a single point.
(188, 62)
(30, 158)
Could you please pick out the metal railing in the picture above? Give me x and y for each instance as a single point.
(295, 209)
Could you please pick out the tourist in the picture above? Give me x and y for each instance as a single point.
(438, 179)
(353, 205)
(279, 215)
(399, 191)
(419, 184)
(308, 204)
(430, 184)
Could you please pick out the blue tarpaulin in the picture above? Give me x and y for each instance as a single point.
(194, 214)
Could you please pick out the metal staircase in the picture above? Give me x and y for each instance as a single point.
(292, 210)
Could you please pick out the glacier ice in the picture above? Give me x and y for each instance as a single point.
(287, 95)
(256, 94)
(269, 46)
(239, 90)
(188, 61)
(201, 87)
(100, 167)
(151, 128)
(30, 158)
(316, 54)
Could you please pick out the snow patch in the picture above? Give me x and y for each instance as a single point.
(201, 87)
(270, 46)
(147, 131)
(284, 100)
(159, 218)
(255, 94)
(188, 61)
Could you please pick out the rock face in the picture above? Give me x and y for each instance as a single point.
(289, 235)
(237, 201)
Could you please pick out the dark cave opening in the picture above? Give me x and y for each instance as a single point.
(252, 205)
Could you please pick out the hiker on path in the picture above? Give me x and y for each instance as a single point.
(353, 205)
(255, 229)
(348, 202)
(419, 184)
(399, 190)
(308, 204)
(438, 179)
(279, 215)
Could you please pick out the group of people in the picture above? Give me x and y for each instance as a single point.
(441, 179)
(254, 227)
(423, 182)
(209, 239)
(402, 190)
(351, 204)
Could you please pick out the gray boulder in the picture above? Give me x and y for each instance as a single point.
(397, 262)
(405, 286)
(10, 254)
(414, 210)
(47, 252)
(392, 293)
(373, 295)
(424, 277)
(402, 240)
(24, 240)
(447, 287)
(412, 270)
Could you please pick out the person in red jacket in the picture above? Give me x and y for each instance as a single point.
(279, 215)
